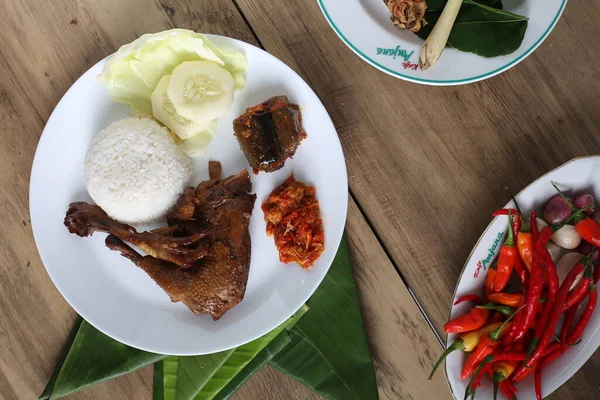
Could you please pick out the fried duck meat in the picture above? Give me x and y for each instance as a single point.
(172, 243)
(222, 209)
(217, 210)
(270, 133)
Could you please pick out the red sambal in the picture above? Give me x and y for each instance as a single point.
(293, 219)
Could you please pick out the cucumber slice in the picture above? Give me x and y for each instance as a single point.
(164, 111)
(197, 145)
(201, 90)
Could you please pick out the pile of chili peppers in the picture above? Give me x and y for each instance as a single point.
(510, 336)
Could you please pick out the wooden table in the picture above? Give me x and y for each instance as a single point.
(426, 167)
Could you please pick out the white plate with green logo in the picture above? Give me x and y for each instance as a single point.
(365, 27)
(576, 176)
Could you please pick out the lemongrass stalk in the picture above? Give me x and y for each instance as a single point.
(436, 42)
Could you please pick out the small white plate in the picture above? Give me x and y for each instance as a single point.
(117, 297)
(365, 27)
(577, 176)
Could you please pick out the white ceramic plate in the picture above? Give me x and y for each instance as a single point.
(579, 175)
(365, 26)
(118, 298)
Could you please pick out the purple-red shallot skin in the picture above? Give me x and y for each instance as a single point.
(587, 248)
(556, 210)
(585, 201)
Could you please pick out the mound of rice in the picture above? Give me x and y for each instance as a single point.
(135, 170)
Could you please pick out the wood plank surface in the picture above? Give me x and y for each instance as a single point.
(46, 47)
(428, 165)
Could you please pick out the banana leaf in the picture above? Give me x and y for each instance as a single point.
(92, 357)
(261, 359)
(333, 329)
(302, 362)
(203, 377)
(326, 350)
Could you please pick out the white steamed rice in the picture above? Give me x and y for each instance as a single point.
(135, 170)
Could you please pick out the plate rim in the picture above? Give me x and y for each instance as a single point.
(309, 294)
(450, 82)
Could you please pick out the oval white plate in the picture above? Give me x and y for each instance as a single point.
(377, 34)
(579, 175)
(118, 298)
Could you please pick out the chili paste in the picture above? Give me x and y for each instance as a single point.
(293, 219)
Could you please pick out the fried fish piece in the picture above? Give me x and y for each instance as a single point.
(270, 133)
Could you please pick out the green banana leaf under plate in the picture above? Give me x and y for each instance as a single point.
(323, 346)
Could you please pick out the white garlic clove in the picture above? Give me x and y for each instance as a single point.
(555, 251)
(565, 265)
(567, 237)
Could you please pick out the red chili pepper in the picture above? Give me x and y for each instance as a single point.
(472, 320)
(536, 284)
(496, 317)
(512, 331)
(566, 327)
(486, 365)
(507, 356)
(504, 211)
(469, 297)
(486, 346)
(538, 383)
(548, 358)
(532, 300)
(476, 380)
(544, 236)
(517, 225)
(506, 262)
(582, 289)
(552, 277)
(466, 342)
(587, 314)
(507, 390)
(589, 230)
(512, 386)
(506, 299)
(489, 279)
(555, 314)
(533, 223)
(521, 272)
(552, 347)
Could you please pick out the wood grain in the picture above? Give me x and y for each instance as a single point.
(428, 165)
(46, 47)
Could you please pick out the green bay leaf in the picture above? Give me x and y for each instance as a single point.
(482, 28)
